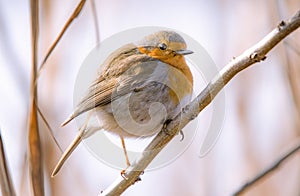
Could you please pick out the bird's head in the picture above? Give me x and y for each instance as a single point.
(167, 46)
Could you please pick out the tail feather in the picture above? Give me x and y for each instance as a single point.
(71, 117)
(84, 132)
(67, 153)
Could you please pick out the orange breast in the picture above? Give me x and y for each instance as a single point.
(181, 79)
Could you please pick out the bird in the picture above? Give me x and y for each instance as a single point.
(139, 88)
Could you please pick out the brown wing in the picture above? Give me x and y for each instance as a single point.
(100, 92)
(95, 96)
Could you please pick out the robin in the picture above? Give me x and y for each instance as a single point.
(141, 86)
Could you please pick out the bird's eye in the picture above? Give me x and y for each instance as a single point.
(162, 46)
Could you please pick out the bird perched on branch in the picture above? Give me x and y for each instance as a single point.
(139, 88)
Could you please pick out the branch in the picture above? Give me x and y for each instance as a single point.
(255, 54)
(267, 171)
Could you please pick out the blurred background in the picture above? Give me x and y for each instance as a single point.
(262, 117)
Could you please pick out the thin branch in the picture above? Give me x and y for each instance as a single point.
(267, 171)
(74, 15)
(49, 128)
(255, 54)
(34, 143)
(7, 188)
(96, 24)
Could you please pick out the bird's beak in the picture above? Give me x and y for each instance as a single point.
(184, 52)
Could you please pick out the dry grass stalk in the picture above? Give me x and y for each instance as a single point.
(7, 188)
(34, 143)
(74, 15)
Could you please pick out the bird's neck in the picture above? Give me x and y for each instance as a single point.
(179, 63)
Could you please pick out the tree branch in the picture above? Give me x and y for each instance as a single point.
(267, 171)
(255, 54)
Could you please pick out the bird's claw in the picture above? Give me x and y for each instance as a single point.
(123, 174)
(182, 135)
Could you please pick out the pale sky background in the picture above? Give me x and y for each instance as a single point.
(260, 117)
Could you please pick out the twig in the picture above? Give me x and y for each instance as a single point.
(34, 143)
(49, 128)
(96, 24)
(267, 171)
(74, 15)
(255, 54)
(7, 188)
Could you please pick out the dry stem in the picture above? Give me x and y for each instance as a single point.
(34, 143)
(7, 188)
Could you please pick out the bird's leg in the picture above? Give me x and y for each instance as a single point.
(166, 123)
(126, 157)
(165, 126)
